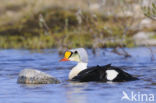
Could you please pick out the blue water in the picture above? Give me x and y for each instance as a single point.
(13, 61)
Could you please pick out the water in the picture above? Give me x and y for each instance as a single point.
(13, 61)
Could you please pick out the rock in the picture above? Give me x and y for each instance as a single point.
(146, 23)
(142, 35)
(145, 39)
(32, 76)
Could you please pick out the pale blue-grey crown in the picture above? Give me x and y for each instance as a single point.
(82, 53)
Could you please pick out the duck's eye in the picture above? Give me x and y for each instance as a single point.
(75, 52)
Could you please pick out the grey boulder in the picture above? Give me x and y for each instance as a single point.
(32, 76)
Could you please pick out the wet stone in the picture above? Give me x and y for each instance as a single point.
(32, 76)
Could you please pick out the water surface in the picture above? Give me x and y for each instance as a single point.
(13, 61)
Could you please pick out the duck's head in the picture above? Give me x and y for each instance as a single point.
(78, 55)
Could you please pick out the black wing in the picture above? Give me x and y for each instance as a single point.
(123, 76)
(98, 73)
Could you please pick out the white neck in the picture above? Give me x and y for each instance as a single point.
(77, 69)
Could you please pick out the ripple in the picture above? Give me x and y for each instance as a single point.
(13, 61)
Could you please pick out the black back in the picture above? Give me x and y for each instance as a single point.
(98, 73)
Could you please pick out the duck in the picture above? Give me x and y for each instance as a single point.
(82, 73)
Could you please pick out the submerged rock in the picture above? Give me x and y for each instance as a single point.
(32, 76)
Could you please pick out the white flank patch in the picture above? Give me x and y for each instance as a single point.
(111, 74)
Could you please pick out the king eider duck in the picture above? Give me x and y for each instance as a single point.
(97, 73)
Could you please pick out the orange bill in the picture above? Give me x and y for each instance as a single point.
(66, 56)
(64, 59)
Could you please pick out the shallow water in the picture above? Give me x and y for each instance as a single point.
(13, 61)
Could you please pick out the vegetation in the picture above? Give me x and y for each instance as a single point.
(150, 11)
(59, 26)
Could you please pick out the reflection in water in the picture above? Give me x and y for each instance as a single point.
(75, 92)
(32, 85)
